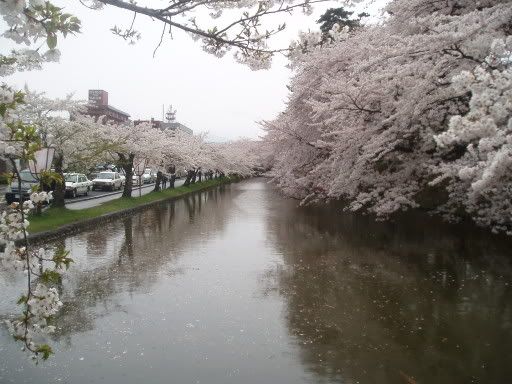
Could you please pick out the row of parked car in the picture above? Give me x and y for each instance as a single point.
(77, 183)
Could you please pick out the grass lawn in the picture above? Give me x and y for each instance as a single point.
(54, 218)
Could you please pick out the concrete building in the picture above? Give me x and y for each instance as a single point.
(98, 106)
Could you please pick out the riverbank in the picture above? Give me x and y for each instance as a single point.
(58, 221)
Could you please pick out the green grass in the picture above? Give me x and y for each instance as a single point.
(54, 218)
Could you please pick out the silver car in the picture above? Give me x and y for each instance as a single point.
(107, 180)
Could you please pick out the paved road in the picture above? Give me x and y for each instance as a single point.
(97, 197)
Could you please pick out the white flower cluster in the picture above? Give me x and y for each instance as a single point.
(41, 197)
(214, 47)
(6, 149)
(309, 42)
(41, 306)
(6, 95)
(12, 223)
(256, 61)
(13, 258)
(486, 132)
(21, 29)
(44, 303)
(41, 302)
(13, 227)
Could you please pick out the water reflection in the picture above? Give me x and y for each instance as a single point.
(239, 285)
(388, 303)
(131, 255)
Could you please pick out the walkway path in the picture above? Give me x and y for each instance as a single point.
(94, 201)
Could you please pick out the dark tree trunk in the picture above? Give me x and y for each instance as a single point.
(190, 174)
(126, 162)
(127, 247)
(194, 177)
(172, 175)
(158, 181)
(200, 175)
(60, 188)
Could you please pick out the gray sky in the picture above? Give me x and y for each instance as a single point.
(215, 95)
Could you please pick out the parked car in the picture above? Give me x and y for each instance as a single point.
(27, 182)
(88, 182)
(107, 180)
(77, 184)
(92, 175)
(149, 176)
(122, 174)
(135, 180)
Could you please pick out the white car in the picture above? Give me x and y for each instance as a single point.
(149, 176)
(77, 184)
(122, 175)
(107, 180)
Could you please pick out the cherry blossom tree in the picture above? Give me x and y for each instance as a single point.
(127, 143)
(480, 179)
(378, 115)
(63, 125)
(40, 302)
(239, 157)
(28, 23)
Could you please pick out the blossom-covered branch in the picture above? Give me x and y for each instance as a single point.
(412, 112)
(245, 34)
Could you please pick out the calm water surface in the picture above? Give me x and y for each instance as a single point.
(239, 285)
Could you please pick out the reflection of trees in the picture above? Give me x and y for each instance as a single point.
(133, 252)
(382, 302)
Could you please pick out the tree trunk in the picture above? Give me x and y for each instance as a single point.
(200, 174)
(60, 188)
(194, 177)
(127, 163)
(158, 181)
(172, 180)
(190, 174)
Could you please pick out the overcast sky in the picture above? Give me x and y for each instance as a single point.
(215, 95)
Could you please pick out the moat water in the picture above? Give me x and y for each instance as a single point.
(240, 285)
